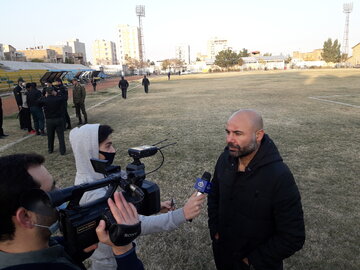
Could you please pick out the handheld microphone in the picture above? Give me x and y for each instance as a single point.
(203, 184)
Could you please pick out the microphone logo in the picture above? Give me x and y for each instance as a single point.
(203, 184)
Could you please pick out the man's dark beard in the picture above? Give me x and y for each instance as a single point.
(243, 151)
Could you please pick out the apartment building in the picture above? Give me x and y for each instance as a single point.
(128, 42)
(104, 52)
(216, 45)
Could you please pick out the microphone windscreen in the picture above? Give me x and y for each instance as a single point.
(206, 176)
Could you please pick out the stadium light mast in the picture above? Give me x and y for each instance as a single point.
(347, 9)
(140, 12)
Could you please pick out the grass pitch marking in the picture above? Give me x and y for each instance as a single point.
(325, 99)
(72, 116)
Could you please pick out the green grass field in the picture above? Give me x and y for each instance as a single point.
(318, 139)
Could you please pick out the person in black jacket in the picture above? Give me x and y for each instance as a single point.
(255, 212)
(123, 85)
(26, 226)
(63, 91)
(93, 83)
(32, 98)
(19, 88)
(54, 114)
(24, 115)
(146, 83)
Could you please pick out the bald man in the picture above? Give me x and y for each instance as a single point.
(255, 213)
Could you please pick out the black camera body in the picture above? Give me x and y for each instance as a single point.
(79, 221)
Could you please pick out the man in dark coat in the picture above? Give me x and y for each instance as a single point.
(123, 85)
(54, 114)
(63, 91)
(254, 207)
(18, 98)
(146, 83)
(32, 99)
(20, 93)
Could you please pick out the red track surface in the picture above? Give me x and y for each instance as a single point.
(10, 107)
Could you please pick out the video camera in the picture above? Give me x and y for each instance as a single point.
(79, 221)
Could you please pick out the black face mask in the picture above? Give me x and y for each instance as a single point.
(108, 156)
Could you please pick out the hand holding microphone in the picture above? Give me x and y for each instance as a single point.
(193, 206)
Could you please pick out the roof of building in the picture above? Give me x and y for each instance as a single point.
(255, 59)
(355, 45)
(14, 65)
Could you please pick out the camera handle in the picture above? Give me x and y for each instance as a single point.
(75, 193)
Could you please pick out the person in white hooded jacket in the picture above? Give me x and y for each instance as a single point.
(94, 141)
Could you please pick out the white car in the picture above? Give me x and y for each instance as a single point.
(186, 72)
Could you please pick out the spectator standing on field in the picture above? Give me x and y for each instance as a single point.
(79, 95)
(146, 83)
(2, 134)
(33, 97)
(123, 85)
(63, 91)
(93, 83)
(54, 114)
(24, 111)
(18, 98)
(169, 75)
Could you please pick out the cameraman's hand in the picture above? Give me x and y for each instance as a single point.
(193, 206)
(124, 213)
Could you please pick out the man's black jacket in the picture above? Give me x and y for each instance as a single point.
(257, 213)
(123, 84)
(145, 82)
(32, 98)
(53, 106)
(62, 91)
(17, 95)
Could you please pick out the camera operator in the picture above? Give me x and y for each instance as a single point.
(25, 228)
(94, 141)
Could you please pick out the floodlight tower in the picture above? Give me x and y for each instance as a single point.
(140, 12)
(347, 9)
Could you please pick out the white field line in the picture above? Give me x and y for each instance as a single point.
(350, 95)
(323, 98)
(72, 116)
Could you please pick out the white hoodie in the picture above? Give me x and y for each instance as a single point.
(85, 145)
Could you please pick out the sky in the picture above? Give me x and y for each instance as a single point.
(277, 26)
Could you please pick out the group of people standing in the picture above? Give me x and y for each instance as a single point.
(255, 214)
(48, 108)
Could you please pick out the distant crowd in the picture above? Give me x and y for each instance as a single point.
(48, 109)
